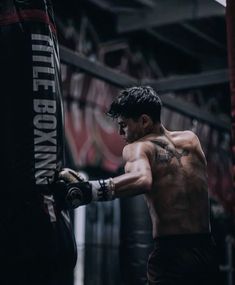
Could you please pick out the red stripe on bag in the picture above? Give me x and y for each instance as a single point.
(27, 15)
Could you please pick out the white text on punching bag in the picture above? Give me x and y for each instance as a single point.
(44, 105)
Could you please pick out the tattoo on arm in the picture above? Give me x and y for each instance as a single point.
(166, 154)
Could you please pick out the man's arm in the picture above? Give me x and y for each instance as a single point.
(136, 180)
(138, 175)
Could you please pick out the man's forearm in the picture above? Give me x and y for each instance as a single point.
(78, 191)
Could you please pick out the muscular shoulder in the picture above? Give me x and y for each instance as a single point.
(185, 139)
(135, 150)
(191, 141)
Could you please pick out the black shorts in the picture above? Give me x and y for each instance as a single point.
(183, 259)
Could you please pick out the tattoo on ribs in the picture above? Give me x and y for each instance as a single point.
(166, 153)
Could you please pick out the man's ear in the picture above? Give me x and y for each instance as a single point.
(146, 121)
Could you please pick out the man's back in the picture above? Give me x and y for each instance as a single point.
(178, 202)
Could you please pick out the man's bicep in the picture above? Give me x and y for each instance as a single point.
(137, 178)
(136, 159)
(140, 165)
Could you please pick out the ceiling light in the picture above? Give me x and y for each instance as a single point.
(222, 2)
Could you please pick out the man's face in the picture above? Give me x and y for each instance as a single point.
(130, 129)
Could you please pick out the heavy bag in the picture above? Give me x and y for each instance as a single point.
(36, 237)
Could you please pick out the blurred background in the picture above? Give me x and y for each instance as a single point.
(184, 49)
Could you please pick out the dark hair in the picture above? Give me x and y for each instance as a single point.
(135, 101)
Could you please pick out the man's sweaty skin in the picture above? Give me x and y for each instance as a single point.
(172, 168)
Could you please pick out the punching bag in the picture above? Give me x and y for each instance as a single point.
(36, 239)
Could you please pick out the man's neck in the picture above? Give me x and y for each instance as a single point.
(158, 129)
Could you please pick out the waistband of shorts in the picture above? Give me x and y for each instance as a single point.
(198, 239)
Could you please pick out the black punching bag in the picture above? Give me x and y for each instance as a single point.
(36, 239)
(136, 241)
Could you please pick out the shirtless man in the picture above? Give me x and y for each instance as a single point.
(169, 168)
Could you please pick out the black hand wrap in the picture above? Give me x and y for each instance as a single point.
(104, 192)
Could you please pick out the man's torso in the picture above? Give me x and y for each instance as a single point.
(178, 202)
